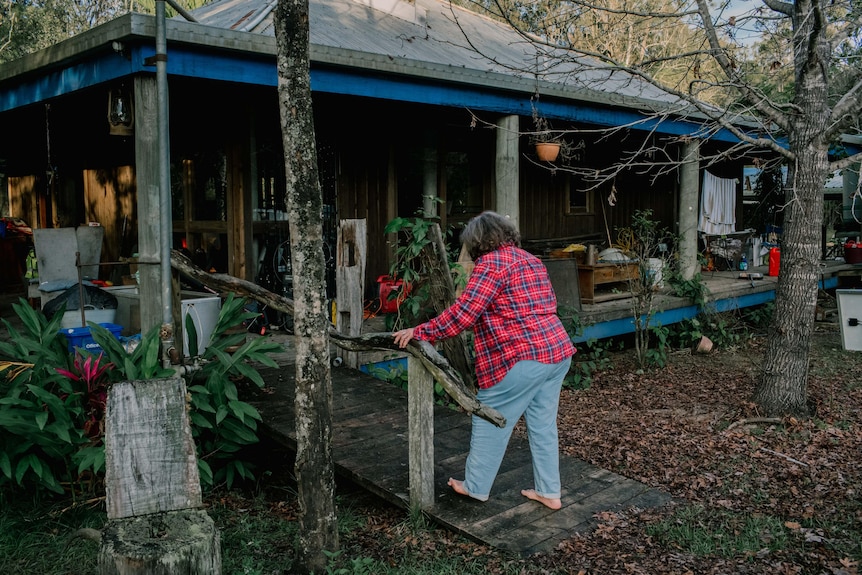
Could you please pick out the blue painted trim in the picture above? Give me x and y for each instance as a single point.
(260, 70)
(626, 325)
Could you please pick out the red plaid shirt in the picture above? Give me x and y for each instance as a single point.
(510, 305)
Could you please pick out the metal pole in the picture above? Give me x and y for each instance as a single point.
(166, 224)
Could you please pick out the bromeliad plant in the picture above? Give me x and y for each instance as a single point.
(91, 374)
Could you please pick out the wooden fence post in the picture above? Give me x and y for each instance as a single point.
(350, 281)
(420, 413)
(153, 493)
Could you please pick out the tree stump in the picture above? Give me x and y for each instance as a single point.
(184, 541)
(153, 492)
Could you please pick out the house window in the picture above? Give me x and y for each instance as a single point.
(463, 186)
(578, 201)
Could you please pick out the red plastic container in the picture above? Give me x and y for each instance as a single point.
(774, 261)
(387, 285)
(853, 253)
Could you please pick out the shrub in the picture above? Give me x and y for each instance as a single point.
(52, 401)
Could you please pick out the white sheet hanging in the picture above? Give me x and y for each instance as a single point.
(717, 205)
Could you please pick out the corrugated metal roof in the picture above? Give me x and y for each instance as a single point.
(428, 37)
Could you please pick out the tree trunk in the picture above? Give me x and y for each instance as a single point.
(184, 541)
(783, 386)
(314, 469)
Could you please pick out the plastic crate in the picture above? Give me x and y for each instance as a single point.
(80, 337)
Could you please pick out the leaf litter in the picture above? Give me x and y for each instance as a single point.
(691, 430)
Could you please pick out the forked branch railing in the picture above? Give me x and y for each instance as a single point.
(425, 366)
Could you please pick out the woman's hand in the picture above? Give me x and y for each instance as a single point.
(403, 337)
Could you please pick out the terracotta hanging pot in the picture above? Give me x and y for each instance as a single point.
(547, 151)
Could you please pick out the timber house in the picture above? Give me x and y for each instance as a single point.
(411, 100)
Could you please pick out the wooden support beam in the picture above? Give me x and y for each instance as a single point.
(349, 281)
(420, 417)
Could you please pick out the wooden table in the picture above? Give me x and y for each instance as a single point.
(603, 282)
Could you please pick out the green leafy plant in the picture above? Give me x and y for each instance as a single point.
(656, 354)
(222, 424)
(414, 237)
(694, 289)
(52, 401)
(592, 357)
(41, 412)
(686, 333)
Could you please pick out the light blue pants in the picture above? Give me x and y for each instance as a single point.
(531, 389)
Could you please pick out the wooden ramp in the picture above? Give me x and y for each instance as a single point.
(370, 447)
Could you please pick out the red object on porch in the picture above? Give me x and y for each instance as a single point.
(389, 303)
(774, 261)
(853, 252)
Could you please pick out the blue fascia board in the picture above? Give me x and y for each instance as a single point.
(260, 70)
(623, 326)
(92, 71)
(338, 81)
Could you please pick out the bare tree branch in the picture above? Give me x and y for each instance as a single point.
(443, 372)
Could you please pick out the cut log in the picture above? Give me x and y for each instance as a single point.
(185, 541)
(150, 460)
(152, 485)
(442, 371)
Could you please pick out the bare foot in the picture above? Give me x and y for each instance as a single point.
(458, 487)
(549, 503)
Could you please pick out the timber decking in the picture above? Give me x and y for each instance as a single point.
(370, 448)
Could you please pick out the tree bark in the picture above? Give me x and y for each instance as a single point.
(315, 473)
(783, 385)
(184, 541)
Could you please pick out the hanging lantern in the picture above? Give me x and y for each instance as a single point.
(121, 118)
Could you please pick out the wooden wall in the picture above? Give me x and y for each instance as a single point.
(545, 193)
(23, 191)
(110, 200)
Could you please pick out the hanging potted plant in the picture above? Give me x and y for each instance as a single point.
(546, 141)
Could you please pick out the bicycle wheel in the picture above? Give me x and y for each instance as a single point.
(282, 266)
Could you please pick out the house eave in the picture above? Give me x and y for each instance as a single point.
(137, 33)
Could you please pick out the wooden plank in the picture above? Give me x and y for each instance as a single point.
(370, 447)
(350, 280)
(150, 460)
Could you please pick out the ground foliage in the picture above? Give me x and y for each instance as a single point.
(767, 497)
(691, 430)
(749, 497)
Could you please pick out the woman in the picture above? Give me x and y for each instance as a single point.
(522, 355)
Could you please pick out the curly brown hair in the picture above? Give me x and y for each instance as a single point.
(487, 232)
